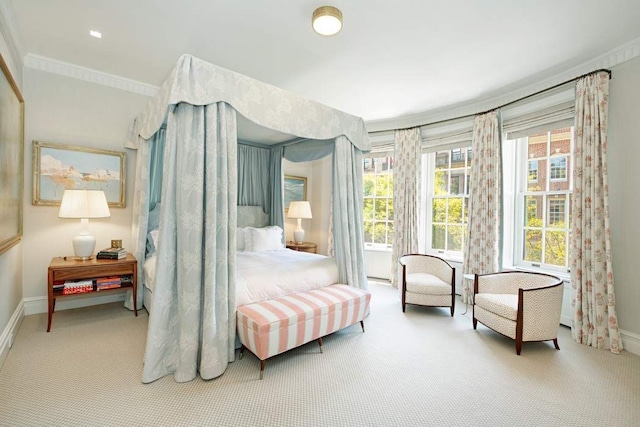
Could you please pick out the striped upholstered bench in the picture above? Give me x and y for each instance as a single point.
(271, 327)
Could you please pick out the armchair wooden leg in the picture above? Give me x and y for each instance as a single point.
(403, 307)
(518, 347)
(452, 309)
(320, 343)
(362, 325)
(555, 342)
(475, 323)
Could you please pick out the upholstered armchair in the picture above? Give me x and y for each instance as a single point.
(427, 280)
(520, 305)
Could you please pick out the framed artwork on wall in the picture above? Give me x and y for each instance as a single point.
(59, 167)
(295, 189)
(11, 159)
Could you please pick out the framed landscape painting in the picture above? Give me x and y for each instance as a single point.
(11, 159)
(58, 167)
(295, 190)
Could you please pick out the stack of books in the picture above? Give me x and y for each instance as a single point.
(112, 253)
(104, 283)
(77, 287)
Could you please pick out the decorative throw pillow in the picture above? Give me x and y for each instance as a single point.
(152, 241)
(263, 239)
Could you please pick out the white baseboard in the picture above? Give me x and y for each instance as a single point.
(10, 331)
(36, 305)
(630, 342)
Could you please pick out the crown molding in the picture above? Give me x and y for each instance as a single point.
(73, 71)
(609, 59)
(10, 34)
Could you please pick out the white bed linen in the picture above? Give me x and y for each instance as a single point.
(270, 274)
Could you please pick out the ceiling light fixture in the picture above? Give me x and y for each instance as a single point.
(96, 34)
(327, 20)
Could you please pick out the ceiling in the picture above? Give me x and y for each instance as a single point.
(392, 59)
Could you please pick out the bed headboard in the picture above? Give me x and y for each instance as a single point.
(252, 216)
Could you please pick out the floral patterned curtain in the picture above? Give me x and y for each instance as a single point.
(482, 248)
(592, 298)
(406, 195)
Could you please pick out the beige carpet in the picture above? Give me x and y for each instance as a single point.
(420, 368)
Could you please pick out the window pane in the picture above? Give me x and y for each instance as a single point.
(556, 211)
(380, 209)
(390, 209)
(560, 141)
(368, 184)
(454, 238)
(533, 245)
(389, 233)
(440, 185)
(380, 232)
(438, 234)
(368, 232)
(368, 209)
(455, 211)
(555, 248)
(442, 160)
(439, 212)
(457, 182)
(457, 158)
(533, 213)
(533, 171)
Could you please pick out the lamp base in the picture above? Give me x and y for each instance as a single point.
(298, 236)
(83, 245)
(83, 258)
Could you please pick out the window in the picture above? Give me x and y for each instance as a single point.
(448, 200)
(378, 202)
(542, 234)
(559, 168)
(533, 171)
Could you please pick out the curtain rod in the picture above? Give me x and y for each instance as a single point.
(503, 105)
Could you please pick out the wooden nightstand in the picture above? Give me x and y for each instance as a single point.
(303, 247)
(62, 269)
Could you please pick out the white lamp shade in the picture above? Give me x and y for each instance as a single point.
(299, 210)
(84, 204)
(327, 20)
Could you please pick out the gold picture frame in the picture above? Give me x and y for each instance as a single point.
(58, 167)
(11, 159)
(295, 190)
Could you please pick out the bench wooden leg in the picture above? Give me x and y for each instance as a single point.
(320, 343)
(262, 365)
(555, 342)
(362, 325)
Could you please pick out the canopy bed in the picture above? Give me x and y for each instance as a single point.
(188, 136)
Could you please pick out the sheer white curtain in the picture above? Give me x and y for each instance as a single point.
(192, 322)
(406, 195)
(592, 298)
(482, 254)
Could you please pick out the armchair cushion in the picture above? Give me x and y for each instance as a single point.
(428, 284)
(505, 305)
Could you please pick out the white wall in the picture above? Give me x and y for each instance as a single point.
(70, 111)
(624, 195)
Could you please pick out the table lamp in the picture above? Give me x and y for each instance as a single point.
(300, 211)
(84, 204)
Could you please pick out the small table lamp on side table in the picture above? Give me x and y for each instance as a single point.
(300, 210)
(82, 205)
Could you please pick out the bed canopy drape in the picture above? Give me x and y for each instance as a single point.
(192, 322)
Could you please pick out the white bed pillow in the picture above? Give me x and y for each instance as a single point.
(262, 239)
(240, 239)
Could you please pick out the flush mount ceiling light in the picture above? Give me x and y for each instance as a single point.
(327, 20)
(96, 34)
